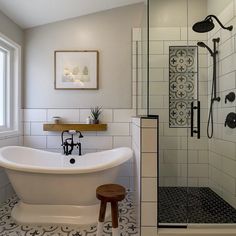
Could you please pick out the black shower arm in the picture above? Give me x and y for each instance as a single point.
(230, 28)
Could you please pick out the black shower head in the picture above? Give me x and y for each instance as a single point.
(203, 45)
(204, 26)
(207, 25)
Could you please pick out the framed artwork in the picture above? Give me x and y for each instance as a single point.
(76, 69)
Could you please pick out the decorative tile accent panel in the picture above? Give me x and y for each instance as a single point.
(183, 78)
(182, 86)
(179, 113)
(183, 59)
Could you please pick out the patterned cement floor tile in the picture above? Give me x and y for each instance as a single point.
(9, 228)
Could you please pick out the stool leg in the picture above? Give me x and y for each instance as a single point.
(114, 215)
(101, 218)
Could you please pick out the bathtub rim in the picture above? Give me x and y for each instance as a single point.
(66, 170)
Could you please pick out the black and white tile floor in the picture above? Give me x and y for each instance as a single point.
(9, 228)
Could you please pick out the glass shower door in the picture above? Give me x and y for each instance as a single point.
(196, 174)
(171, 81)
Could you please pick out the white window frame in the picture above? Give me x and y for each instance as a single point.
(13, 88)
(4, 85)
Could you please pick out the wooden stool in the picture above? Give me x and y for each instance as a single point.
(112, 193)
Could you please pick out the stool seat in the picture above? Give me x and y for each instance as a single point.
(110, 193)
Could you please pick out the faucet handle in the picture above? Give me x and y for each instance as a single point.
(72, 131)
(230, 97)
(80, 134)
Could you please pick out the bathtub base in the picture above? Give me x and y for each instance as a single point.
(24, 213)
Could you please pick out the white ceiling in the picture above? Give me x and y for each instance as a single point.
(30, 13)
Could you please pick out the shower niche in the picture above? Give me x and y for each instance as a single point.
(183, 84)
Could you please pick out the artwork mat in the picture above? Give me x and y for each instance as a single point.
(74, 85)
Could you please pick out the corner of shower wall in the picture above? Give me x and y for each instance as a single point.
(222, 147)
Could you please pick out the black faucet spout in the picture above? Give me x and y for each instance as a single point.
(79, 147)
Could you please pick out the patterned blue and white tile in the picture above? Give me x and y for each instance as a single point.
(8, 227)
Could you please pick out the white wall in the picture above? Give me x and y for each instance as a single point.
(173, 13)
(14, 32)
(214, 7)
(109, 32)
(10, 29)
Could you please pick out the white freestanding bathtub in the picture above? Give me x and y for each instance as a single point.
(54, 191)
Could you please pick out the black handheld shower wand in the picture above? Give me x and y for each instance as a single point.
(213, 90)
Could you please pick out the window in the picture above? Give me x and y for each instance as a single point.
(9, 86)
(2, 87)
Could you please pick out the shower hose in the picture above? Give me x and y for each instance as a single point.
(210, 117)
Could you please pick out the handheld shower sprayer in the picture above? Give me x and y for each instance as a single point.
(203, 45)
(214, 97)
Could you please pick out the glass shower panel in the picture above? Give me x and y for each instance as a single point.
(168, 46)
(140, 64)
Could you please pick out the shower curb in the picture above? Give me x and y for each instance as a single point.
(196, 232)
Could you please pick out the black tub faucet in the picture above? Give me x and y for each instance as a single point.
(68, 144)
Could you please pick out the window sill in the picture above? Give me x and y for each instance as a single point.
(9, 134)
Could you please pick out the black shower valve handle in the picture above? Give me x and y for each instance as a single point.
(231, 120)
(230, 97)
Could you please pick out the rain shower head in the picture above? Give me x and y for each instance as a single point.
(207, 25)
(204, 26)
(203, 45)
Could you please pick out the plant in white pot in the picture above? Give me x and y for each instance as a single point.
(95, 113)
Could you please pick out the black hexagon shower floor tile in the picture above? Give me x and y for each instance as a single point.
(9, 228)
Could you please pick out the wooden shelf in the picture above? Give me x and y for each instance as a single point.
(80, 127)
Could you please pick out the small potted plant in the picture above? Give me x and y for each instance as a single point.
(95, 113)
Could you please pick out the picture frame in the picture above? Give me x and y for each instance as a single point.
(76, 69)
